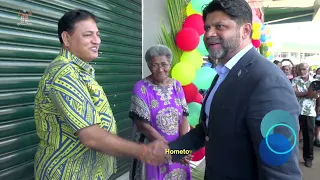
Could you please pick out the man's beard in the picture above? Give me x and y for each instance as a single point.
(227, 46)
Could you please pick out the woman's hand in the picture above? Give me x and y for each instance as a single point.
(186, 160)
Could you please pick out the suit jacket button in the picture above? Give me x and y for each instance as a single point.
(207, 138)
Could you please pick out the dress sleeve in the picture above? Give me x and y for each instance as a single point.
(72, 100)
(182, 98)
(139, 109)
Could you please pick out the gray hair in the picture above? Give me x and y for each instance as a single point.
(304, 64)
(158, 50)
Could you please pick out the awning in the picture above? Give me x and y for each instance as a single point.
(288, 11)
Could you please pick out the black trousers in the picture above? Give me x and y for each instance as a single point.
(307, 128)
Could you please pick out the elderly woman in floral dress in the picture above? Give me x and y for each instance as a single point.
(159, 111)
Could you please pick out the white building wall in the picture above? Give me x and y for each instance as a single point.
(153, 12)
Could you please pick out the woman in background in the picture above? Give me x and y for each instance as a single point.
(294, 71)
(287, 70)
(317, 123)
(159, 111)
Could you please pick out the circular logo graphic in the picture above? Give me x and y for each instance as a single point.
(279, 129)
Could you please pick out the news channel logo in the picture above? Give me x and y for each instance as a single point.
(279, 129)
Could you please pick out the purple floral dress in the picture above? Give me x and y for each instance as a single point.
(162, 107)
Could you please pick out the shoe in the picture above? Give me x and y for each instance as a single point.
(316, 143)
(308, 164)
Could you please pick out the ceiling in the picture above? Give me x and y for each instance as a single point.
(288, 11)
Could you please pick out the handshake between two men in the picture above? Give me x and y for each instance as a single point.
(158, 152)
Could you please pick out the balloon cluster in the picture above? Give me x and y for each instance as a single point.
(261, 36)
(266, 46)
(189, 71)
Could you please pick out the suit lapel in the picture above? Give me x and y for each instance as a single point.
(202, 112)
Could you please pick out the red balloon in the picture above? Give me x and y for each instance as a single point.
(198, 155)
(199, 98)
(187, 39)
(256, 43)
(194, 21)
(190, 92)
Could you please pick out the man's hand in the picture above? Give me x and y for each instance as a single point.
(163, 139)
(186, 160)
(169, 158)
(155, 154)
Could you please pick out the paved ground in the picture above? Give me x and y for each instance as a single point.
(314, 172)
(307, 173)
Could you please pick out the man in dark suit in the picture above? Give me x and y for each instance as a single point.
(247, 87)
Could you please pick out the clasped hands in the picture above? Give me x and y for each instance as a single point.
(156, 154)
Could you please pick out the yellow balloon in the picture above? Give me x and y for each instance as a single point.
(270, 44)
(183, 72)
(268, 54)
(190, 10)
(192, 57)
(256, 26)
(256, 35)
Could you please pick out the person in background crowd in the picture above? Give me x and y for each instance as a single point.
(317, 74)
(307, 100)
(278, 63)
(287, 71)
(311, 71)
(294, 71)
(159, 111)
(317, 124)
(74, 121)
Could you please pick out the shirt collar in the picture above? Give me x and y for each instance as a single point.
(310, 79)
(233, 61)
(74, 59)
(222, 69)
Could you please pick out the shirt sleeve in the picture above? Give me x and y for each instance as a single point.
(139, 109)
(182, 99)
(73, 100)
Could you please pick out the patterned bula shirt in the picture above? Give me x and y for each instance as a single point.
(69, 99)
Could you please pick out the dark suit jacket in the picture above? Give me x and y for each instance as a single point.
(233, 135)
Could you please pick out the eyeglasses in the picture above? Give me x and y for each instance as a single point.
(162, 65)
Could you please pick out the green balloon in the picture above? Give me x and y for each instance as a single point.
(199, 5)
(204, 77)
(265, 48)
(194, 113)
(202, 48)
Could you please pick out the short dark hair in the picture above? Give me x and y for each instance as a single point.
(276, 62)
(238, 10)
(69, 19)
